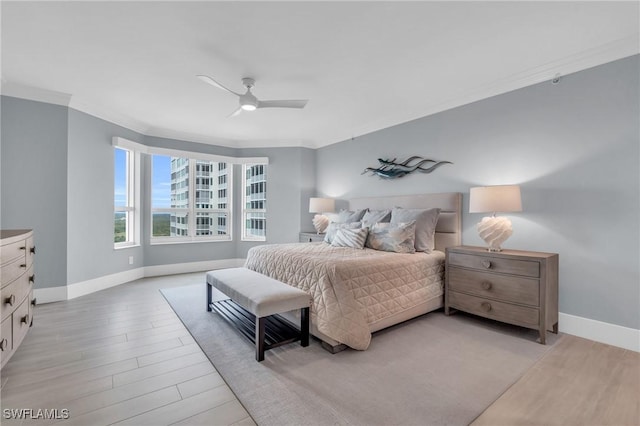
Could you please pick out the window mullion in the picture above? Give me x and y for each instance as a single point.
(191, 214)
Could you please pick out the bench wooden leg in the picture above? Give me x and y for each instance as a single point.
(304, 327)
(260, 326)
(209, 292)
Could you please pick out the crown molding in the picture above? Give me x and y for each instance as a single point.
(590, 58)
(16, 90)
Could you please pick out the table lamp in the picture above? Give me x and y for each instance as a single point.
(492, 199)
(321, 205)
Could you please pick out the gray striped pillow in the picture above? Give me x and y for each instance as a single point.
(346, 237)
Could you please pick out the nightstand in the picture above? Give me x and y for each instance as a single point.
(311, 237)
(511, 286)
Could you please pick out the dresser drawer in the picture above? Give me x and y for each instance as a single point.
(12, 295)
(496, 264)
(495, 286)
(13, 270)
(6, 337)
(9, 252)
(518, 315)
(21, 322)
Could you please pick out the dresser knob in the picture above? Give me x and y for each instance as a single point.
(33, 250)
(23, 265)
(32, 278)
(486, 306)
(486, 263)
(24, 319)
(23, 248)
(34, 302)
(10, 300)
(486, 285)
(4, 344)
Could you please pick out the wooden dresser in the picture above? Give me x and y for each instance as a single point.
(512, 286)
(17, 251)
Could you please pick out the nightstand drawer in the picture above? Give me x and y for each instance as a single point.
(496, 264)
(494, 286)
(518, 315)
(311, 237)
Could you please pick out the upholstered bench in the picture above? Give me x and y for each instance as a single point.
(255, 299)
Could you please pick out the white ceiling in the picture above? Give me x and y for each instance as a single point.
(362, 65)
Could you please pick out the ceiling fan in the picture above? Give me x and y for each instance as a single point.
(248, 102)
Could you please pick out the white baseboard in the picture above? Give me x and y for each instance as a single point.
(91, 286)
(183, 268)
(56, 294)
(603, 332)
(50, 294)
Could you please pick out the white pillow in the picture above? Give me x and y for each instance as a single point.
(346, 237)
(426, 221)
(395, 237)
(333, 227)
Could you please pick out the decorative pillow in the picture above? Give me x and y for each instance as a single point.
(426, 221)
(346, 237)
(396, 237)
(333, 227)
(346, 216)
(371, 217)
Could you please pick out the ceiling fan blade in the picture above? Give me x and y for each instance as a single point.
(236, 112)
(214, 83)
(299, 103)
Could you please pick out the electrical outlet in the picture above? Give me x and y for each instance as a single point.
(130, 260)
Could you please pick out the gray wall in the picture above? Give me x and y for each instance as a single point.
(33, 151)
(573, 148)
(90, 252)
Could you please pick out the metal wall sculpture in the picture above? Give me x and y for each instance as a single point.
(390, 169)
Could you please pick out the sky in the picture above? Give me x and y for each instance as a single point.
(160, 192)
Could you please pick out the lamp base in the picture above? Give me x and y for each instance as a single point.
(494, 231)
(320, 222)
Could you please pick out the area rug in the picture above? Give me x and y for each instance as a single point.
(432, 370)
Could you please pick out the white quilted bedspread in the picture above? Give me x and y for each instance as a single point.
(352, 288)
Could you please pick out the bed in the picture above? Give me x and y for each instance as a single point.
(356, 292)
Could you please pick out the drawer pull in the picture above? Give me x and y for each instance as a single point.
(486, 306)
(486, 263)
(10, 300)
(32, 278)
(34, 302)
(23, 248)
(4, 344)
(486, 285)
(23, 265)
(24, 319)
(33, 250)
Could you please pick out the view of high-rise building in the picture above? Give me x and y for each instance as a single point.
(255, 201)
(210, 193)
(181, 208)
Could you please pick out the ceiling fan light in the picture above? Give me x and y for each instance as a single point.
(248, 107)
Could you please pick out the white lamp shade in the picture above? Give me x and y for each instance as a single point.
(500, 198)
(321, 205)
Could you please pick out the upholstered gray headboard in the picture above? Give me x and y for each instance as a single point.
(449, 227)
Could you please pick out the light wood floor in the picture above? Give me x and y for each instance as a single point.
(122, 356)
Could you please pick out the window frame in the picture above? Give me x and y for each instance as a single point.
(132, 204)
(244, 211)
(191, 210)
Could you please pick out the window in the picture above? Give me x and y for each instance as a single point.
(254, 202)
(189, 200)
(125, 198)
